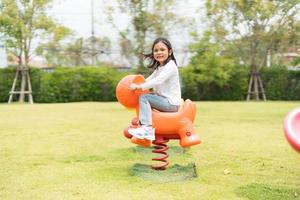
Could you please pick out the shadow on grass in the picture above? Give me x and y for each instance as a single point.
(173, 150)
(171, 174)
(257, 191)
(120, 154)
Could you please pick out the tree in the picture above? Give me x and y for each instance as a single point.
(254, 30)
(75, 51)
(52, 48)
(22, 22)
(148, 19)
(95, 47)
(208, 65)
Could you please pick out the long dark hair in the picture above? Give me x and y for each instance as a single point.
(154, 63)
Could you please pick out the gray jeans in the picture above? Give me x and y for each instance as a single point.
(149, 101)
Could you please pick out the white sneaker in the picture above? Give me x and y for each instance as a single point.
(150, 133)
(143, 132)
(137, 132)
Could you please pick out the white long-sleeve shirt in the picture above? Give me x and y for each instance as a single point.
(165, 82)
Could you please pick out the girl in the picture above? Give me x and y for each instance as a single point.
(165, 83)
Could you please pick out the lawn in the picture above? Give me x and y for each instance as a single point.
(78, 151)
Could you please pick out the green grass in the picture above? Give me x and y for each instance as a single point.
(78, 151)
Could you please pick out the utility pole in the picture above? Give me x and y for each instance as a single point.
(93, 34)
(3, 56)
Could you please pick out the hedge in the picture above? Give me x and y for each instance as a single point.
(234, 89)
(66, 84)
(99, 83)
(281, 84)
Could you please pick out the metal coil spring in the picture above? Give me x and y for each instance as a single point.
(160, 148)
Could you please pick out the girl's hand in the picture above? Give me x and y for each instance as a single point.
(134, 86)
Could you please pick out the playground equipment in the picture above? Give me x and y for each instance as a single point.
(291, 128)
(168, 125)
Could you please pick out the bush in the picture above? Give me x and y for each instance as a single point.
(281, 84)
(99, 83)
(233, 89)
(79, 84)
(7, 76)
(66, 84)
(6, 79)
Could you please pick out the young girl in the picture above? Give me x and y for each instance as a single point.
(165, 83)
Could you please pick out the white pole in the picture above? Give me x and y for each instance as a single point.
(3, 57)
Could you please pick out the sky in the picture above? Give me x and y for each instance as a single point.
(76, 14)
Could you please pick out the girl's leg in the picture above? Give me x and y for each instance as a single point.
(145, 112)
(148, 101)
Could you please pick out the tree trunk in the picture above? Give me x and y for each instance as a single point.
(255, 88)
(25, 83)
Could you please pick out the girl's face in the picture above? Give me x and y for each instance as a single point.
(161, 52)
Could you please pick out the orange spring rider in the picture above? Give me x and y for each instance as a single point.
(168, 125)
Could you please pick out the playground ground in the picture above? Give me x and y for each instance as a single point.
(77, 151)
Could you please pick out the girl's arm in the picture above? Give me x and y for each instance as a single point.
(135, 86)
(151, 76)
(167, 72)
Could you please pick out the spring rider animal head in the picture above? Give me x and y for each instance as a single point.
(168, 125)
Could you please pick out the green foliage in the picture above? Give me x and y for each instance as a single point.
(275, 81)
(99, 83)
(208, 63)
(234, 88)
(148, 20)
(189, 86)
(66, 84)
(280, 83)
(79, 84)
(212, 74)
(296, 61)
(6, 80)
(254, 29)
(293, 88)
(7, 76)
(23, 21)
(210, 68)
(74, 52)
